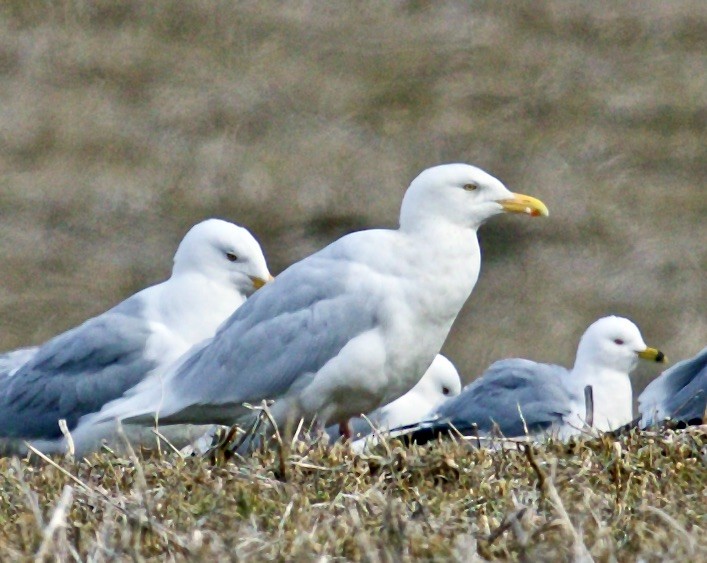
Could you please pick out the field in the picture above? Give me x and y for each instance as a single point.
(638, 497)
(122, 123)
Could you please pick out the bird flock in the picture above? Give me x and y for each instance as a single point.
(346, 340)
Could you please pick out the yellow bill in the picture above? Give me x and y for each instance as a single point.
(520, 203)
(653, 355)
(260, 282)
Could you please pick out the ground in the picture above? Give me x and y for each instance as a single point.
(638, 496)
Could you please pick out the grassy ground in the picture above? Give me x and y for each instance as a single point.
(637, 497)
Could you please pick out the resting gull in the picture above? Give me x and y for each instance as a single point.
(517, 397)
(346, 330)
(216, 267)
(679, 393)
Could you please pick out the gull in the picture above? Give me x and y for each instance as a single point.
(519, 397)
(216, 267)
(345, 330)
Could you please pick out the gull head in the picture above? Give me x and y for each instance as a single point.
(463, 195)
(225, 253)
(440, 382)
(614, 343)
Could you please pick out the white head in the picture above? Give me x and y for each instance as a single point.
(614, 343)
(439, 383)
(222, 252)
(462, 195)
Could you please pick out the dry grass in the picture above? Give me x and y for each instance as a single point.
(639, 496)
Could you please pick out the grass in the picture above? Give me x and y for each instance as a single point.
(636, 496)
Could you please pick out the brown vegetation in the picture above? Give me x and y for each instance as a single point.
(640, 496)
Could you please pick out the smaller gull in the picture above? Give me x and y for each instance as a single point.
(679, 393)
(345, 330)
(440, 382)
(517, 397)
(216, 267)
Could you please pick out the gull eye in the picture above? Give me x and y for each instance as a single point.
(231, 257)
(618, 342)
(470, 187)
(445, 390)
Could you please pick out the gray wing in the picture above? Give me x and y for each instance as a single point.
(75, 373)
(287, 331)
(679, 393)
(11, 361)
(507, 385)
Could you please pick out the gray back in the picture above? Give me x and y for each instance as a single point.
(504, 391)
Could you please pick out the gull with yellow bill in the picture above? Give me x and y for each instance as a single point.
(520, 398)
(216, 267)
(344, 331)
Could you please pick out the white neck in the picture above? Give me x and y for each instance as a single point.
(193, 306)
(451, 260)
(611, 391)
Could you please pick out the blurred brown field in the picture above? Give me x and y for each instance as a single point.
(124, 123)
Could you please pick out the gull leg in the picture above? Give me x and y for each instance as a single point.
(345, 430)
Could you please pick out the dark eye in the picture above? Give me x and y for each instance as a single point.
(445, 390)
(231, 257)
(618, 342)
(470, 187)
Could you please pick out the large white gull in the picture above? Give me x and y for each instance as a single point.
(346, 330)
(216, 267)
(679, 393)
(517, 397)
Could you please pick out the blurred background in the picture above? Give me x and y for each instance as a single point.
(122, 123)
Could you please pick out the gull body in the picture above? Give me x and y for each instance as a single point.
(608, 352)
(346, 330)
(216, 266)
